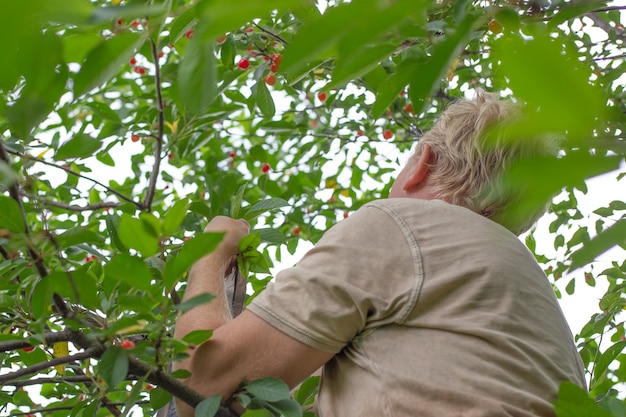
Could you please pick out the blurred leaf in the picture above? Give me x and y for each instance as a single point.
(608, 238)
(137, 234)
(263, 206)
(605, 360)
(197, 337)
(130, 270)
(113, 366)
(208, 407)
(175, 216)
(182, 23)
(197, 74)
(542, 64)
(159, 398)
(269, 389)
(264, 99)
(10, 215)
(104, 61)
(192, 251)
(428, 77)
(200, 299)
(80, 146)
(574, 401)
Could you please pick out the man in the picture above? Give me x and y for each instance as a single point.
(416, 305)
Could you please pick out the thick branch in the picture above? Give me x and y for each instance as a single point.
(29, 370)
(49, 338)
(147, 203)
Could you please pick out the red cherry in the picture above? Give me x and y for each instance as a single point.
(360, 132)
(408, 108)
(135, 138)
(345, 214)
(120, 21)
(313, 123)
(388, 112)
(135, 23)
(387, 134)
(296, 230)
(270, 79)
(140, 70)
(133, 61)
(127, 344)
(221, 39)
(332, 199)
(160, 54)
(170, 156)
(277, 58)
(189, 33)
(232, 154)
(243, 64)
(321, 96)
(149, 387)
(274, 67)
(265, 168)
(266, 58)
(28, 349)
(249, 29)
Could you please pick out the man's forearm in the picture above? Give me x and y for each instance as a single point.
(206, 276)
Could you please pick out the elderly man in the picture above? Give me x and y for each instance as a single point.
(422, 304)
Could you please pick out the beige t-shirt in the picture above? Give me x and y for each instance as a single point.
(432, 310)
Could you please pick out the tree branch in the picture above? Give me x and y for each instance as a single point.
(147, 202)
(72, 207)
(49, 338)
(272, 34)
(38, 381)
(77, 174)
(29, 370)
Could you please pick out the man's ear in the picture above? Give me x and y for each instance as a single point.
(420, 170)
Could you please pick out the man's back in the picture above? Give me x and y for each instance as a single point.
(432, 310)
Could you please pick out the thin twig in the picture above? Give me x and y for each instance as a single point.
(272, 34)
(73, 207)
(29, 370)
(147, 202)
(44, 411)
(77, 174)
(39, 381)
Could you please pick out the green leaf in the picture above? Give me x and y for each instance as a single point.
(175, 216)
(263, 206)
(389, 89)
(220, 16)
(428, 77)
(605, 360)
(272, 236)
(197, 337)
(10, 215)
(264, 99)
(182, 23)
(197, 74)
(236, 203)
(574, 401)
(135, 393)
(112, 223)
(104, 61)
(285, 408)
(200, 299)
(130, 270)
(208, 407)
(269, 389)
(542, 64)
(80, 146)
(604, 241)
(138, 234)
(113, 366)
(192, 251)
(159, 398)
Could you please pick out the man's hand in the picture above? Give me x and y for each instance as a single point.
(235, 230)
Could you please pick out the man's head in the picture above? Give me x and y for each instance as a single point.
(463, 156)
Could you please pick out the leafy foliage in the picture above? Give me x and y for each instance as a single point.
(126, 124)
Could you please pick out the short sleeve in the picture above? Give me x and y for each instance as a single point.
(360, 275)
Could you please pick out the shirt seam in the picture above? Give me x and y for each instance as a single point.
(415, 254)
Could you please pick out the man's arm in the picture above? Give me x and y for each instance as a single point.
(245, 348)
